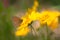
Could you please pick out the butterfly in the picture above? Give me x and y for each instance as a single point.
(16, 21)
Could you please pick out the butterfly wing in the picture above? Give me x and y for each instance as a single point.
(16, 21)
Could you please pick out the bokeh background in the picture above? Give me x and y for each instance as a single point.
(10, 7)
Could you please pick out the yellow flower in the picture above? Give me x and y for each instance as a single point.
(50, 17)
(46, 16)
(22, 30)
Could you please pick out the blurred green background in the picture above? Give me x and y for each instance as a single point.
(9, 7)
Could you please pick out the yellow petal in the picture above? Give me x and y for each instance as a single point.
(34, 16)
(22, 32)
(54, 24)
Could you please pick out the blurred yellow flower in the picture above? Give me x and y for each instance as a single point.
(22, 30)
(46, 16)
(50, 17)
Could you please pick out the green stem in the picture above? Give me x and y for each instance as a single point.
(48, 34)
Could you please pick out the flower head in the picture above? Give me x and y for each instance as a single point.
(46, 16)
